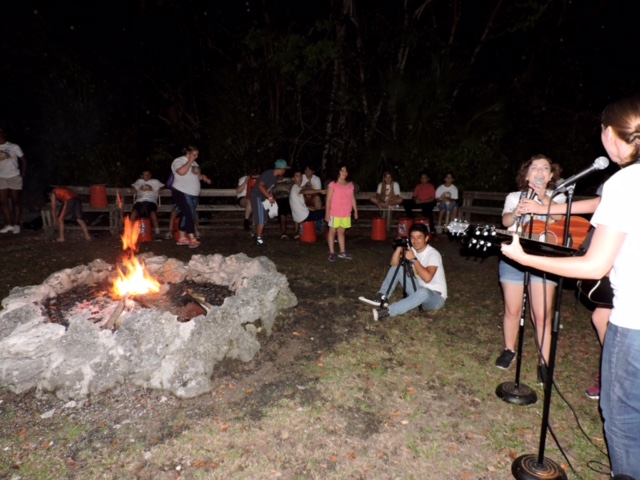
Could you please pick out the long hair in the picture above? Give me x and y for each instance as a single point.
(623, 117)
(521, 178)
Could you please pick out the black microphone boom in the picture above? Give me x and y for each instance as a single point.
(599, 164)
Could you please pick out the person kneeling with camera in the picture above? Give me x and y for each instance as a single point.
(416, 266)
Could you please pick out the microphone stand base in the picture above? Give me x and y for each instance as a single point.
(526, 467)
(520, 394)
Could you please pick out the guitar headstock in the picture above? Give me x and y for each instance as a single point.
(458, 228)
(482, 238)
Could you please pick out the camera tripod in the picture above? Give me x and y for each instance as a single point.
(408, 272)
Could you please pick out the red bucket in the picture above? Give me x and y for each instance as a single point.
(308, 232)
(145, 234)
(379, 229)
(404, 224)
(98, 196)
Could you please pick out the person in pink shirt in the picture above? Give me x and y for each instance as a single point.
(340, 202)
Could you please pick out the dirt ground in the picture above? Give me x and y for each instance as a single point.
(331, 394)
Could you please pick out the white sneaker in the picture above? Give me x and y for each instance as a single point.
(7, 229)
(16, 229)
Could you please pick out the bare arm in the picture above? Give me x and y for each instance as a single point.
(327, 216)
(595, 264)
(581, 206)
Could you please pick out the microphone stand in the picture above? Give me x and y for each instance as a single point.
(515, 392)
(529, 467)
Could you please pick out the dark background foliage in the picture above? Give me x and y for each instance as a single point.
(94, 92)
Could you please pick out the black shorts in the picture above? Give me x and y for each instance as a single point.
(145, 209)
(74, 209)
(284, 207)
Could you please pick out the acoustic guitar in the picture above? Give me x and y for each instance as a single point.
(543, 236)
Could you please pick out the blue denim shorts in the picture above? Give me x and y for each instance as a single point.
(513, 273)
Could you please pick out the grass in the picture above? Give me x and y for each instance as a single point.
(334, 395)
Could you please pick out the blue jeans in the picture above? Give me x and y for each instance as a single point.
(620, 399)
(187, 204)
(429, 299)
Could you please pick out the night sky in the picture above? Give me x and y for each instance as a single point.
(79, 78)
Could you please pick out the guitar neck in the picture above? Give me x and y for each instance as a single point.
(529, 245)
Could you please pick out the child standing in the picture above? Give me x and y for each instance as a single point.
(71, 210)
(340, 202)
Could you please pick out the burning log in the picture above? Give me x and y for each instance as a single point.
(112, 322)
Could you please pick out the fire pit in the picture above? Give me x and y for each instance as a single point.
(153, 342)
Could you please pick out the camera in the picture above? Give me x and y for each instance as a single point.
(403, 242)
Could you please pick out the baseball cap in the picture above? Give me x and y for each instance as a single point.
(281, 164)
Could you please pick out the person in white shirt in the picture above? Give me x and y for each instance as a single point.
(310, 181)
(243, 195)
(447, 196)
(387, 193)
(426, 284)
(11, 159)
(299, 209)
(146, 190)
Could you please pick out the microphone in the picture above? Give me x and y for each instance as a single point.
(599, 164)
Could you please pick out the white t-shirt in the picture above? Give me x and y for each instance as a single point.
(513, 199)
(188, 183)
(431, 257)
(9, 155)
(147, 190)
(299, 210)
(615, 204)
(315, 182)
(389, 190)
(452, 190)
(243, 193)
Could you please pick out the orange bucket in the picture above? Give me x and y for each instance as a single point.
(308, 232)
(144, 234)
(98, 196)
(379, 229)
(404, 224)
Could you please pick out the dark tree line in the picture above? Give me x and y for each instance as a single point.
(96, 92)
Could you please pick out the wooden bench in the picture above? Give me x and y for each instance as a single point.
(487, 206)
(120, 202)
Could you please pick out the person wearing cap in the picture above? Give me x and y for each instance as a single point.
(263, 191)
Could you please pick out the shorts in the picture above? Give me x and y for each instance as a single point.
(449, 206)
(240, 199)
(74, 209)
(513, 274)
(11, 183)
(145, 209)
(340, 222)
(284, 207)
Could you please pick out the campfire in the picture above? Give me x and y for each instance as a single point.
(134, 289)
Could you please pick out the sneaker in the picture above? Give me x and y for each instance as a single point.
(380, 300)
(183, 241)
(594, 390)
(284, 237)
(246, 225)
(345, 255)
(7, 229)
(197, 234)
(168, 236)
(260, 241)
(16, 229)
(296, 236)
(157, 237)
(193, 243)
(332, 257)
(505, 359)
(380, 314)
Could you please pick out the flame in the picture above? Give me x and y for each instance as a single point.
(132, 277)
